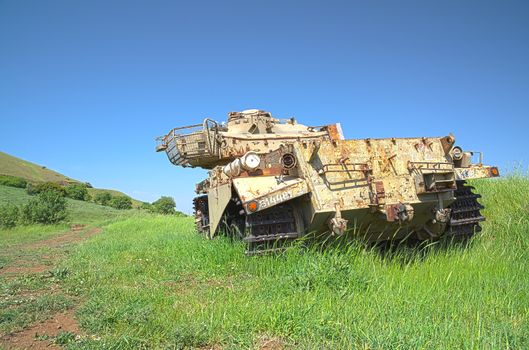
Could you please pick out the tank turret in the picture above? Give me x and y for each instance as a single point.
(210, 144)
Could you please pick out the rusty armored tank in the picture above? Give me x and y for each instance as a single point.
(272, 181)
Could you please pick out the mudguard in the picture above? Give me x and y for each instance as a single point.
(259, 193)
(476, 172)
(218, 199)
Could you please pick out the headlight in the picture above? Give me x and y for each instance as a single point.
(288, 160)
(457, 153)
(250, 161)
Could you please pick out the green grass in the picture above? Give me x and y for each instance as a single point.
(79, 213)
(26, 296)
(153, 282)
(25, 300)
(30, 282)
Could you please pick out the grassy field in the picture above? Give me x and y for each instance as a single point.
(30, 280)
(152, 282)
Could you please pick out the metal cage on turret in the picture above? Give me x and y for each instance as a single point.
(189, 144)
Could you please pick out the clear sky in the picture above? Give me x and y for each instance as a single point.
(86, 86)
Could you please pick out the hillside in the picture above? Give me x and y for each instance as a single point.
(32, 172)
(10, 165)
(80, 212)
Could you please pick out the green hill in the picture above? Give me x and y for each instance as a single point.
(13, 166)
(32, 172)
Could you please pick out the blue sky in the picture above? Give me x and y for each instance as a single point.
(86, 86)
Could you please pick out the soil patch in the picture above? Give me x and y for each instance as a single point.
(266, 343)
(19, 270)
(40, 335)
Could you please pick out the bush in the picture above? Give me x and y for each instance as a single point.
(8, 215)
(48, 207)
(12, 181)
(146, 206)
(45, 187)
(103, 198)
(30, 189)
(77, 191)
(121, 202)
(164, 205)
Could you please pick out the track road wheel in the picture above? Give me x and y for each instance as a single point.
(201, 211)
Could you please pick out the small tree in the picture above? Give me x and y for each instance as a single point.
(8, 215)
(121, 202)
(103, 198)
(77, 191)
(49, 207)
(164, 205)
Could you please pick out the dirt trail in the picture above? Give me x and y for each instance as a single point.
(76, 234)
(41, 334)
(22, 266)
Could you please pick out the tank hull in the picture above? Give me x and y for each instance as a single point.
(312, 181)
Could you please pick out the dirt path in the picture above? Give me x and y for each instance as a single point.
(44, 262)
(76, 234)
(30, 262)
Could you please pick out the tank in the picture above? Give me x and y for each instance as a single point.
(272, 181)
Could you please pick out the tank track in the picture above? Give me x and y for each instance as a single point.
(465, 213)
(270, 230)
(201, 212)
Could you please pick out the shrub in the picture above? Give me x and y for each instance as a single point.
(45, 187)
(30, 189)
(103, 198)
(12, 181)
(146, 206)
(8, 215)
(164, 205)
(88, 185)
(77, 191)
(121, 202)
(48, 207)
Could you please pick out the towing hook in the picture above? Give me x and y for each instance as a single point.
(337, 224)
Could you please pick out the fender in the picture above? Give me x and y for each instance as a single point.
(259, 193)
(218, 199)
(476, 172)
